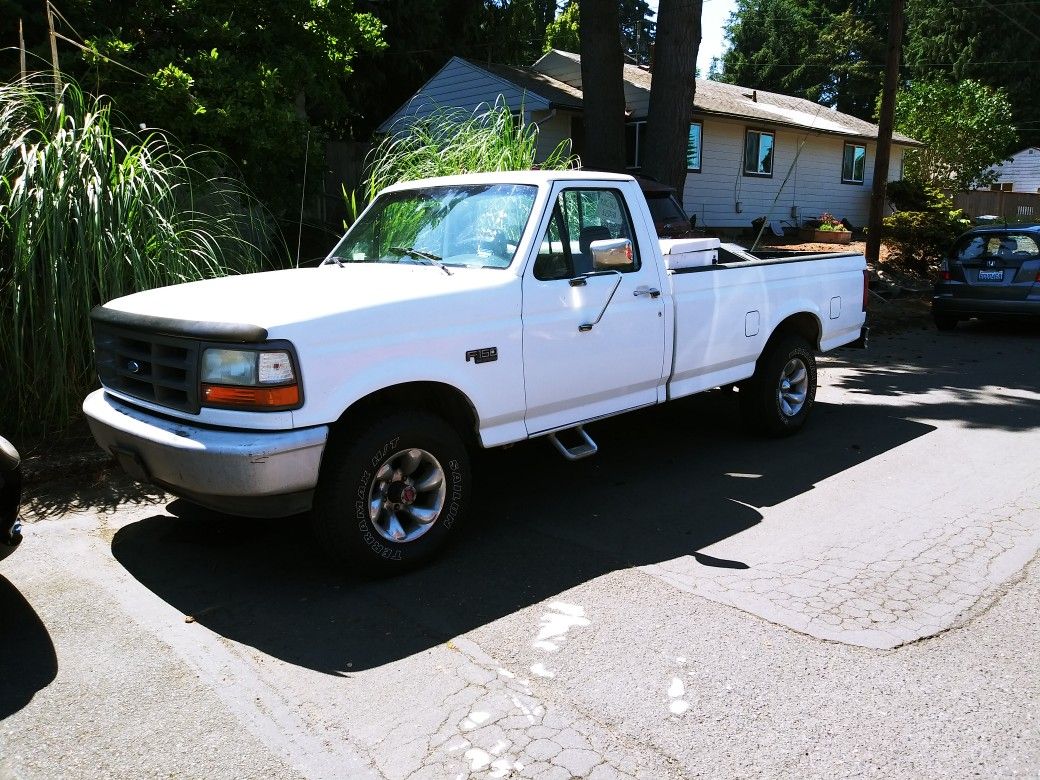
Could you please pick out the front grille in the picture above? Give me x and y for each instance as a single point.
(160, 369)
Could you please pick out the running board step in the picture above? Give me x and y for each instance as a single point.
(586, 448)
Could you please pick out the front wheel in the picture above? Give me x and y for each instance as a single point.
(945, 321)
(390, 497)
(777, 399)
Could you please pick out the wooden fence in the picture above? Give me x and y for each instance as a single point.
(1011, 206)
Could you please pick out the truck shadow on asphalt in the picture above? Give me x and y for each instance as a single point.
(28, 662)
(668, 481)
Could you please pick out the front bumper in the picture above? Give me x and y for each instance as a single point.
(244, 472)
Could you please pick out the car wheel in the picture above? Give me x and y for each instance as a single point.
(777, 399)
(945, 321)
(390, 497)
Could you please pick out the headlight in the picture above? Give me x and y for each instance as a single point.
(246, 378)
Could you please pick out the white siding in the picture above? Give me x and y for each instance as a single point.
(553, 128)
(462, 85)
(814, 185)
(1022, 171)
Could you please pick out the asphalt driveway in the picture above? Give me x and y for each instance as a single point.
(859, 600)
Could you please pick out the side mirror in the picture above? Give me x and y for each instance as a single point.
(611, 254)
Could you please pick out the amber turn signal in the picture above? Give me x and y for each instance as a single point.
(251, 397)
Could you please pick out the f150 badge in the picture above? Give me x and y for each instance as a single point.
(484, 355)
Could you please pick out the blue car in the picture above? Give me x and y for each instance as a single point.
(990, 272)
(10, 496)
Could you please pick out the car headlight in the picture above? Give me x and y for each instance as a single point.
(249, 379)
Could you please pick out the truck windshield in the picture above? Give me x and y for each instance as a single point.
(477, 226)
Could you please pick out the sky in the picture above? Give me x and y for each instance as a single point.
(713, 20)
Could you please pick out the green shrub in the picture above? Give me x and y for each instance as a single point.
(920, 239)
(90, 211)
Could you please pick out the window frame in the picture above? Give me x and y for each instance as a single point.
(639, 125)
(845, 148)
(700, 147)
(637, 261)
(760, 132)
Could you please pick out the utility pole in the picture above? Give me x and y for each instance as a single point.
(885, 123)
(54, 51)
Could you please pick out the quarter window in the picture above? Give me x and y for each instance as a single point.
(853, 163)
(758, 153)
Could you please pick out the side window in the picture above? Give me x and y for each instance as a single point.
(554, 255)
(595, 215)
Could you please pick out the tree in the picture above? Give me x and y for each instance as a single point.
(601, 78)
(251, 84)
(966, 126)
(672, 91)
(831, 51)
(562, 32)
(995, 44)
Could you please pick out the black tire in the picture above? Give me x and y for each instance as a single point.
(945, 321)
(342, 521)
(761, 404)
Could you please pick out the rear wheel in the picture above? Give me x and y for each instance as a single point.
(390, 496)
(945, 321)
(777, 399)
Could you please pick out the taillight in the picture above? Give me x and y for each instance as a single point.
(866, 288)
(1037, 280)
(944, 270)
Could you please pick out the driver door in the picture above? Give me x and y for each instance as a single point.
(573, 372)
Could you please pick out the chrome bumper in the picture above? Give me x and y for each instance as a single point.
(245, 472)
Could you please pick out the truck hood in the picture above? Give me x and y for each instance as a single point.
(279, 298)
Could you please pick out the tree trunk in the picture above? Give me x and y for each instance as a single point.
(601, 80)
(671, 91)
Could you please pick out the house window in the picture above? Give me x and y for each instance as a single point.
(1007, 186)
(994, 188)
(635, 144)
(853, 163)
(758, 153)
(693, 148)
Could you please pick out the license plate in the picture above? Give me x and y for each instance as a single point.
(991, 276)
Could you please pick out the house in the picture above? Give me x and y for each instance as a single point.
(1019, 173)
(750, 153)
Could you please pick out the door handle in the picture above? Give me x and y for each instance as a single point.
(653, 292)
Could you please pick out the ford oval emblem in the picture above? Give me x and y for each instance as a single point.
(133, 366)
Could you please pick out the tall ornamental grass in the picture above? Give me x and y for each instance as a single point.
(89, 211)
(449, 141)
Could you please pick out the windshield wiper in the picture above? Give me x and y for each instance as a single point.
(419, 254)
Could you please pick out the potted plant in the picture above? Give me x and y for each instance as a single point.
(827, 229)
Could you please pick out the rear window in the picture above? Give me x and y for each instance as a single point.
(1002, 245)
(665, 209)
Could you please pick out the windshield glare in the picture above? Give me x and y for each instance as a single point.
(477, 226)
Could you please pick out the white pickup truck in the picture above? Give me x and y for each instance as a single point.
(457, 313)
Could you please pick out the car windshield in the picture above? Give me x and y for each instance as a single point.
(477, 226)
(1001, 245)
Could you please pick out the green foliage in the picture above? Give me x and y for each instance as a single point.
(830, 51)
(920, 239)
(966, 126)
(909, 195)
(994, 44)
(90, 211)
(450, 141)
(251, 81)
(562, 32)
(829, 222)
